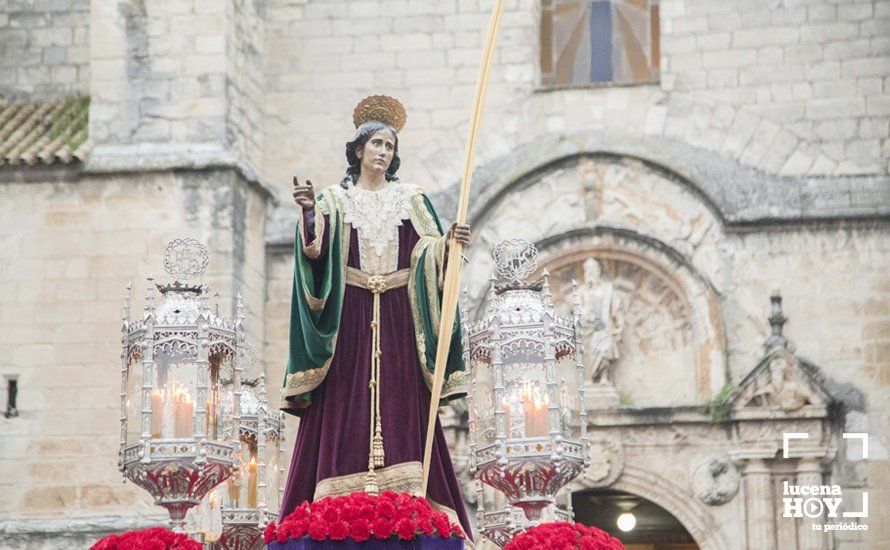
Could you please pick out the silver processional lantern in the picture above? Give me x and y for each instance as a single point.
(234, 515)
(252, 495)
(176, 429)
(528, 425)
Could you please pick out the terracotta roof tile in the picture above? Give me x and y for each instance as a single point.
(44, 132)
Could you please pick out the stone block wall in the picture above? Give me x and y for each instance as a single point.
(245, 49)
(158, 72)
(44, 47)
(69, 249)
(796, 88)
(806, 80)
(179, 72)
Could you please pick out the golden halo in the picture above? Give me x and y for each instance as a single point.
(386, 109)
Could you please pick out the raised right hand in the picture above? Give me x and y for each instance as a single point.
(304, 195)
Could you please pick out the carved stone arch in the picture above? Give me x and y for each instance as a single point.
(678, 501)
(494, 185)
(675, 289)
(722, 185)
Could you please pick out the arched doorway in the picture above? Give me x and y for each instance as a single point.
(638, 522)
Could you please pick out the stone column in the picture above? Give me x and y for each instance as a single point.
(760, 505)
(809, 472)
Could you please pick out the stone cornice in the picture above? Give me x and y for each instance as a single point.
(153, 157)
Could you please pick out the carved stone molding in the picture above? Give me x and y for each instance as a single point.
(715, 480)
(606, 461)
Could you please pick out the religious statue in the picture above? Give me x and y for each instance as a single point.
(370, 259)
(604, 322)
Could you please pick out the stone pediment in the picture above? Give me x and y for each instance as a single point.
(782, 382)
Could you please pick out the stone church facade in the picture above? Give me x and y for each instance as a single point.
(727, 217)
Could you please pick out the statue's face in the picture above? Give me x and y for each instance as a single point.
(377, 153)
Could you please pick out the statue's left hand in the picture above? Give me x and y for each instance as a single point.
(460, 233)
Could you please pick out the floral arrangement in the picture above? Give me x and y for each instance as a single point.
(155, 538)
(361, 516)
(564, 536)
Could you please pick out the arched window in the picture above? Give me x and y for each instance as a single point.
(599, 41)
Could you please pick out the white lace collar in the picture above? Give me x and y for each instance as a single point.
(377, 216)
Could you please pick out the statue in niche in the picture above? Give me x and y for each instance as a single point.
(603, 323)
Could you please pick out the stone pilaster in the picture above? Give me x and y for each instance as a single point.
(809, 472)
(760, 502)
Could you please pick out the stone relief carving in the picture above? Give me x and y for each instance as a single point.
(606, 461)
(779, 383)
(715, 480)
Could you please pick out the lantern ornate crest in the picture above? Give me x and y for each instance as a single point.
(176, 411)
(528, 423)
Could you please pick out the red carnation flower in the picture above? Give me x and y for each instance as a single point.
(442, 525)
(426, 526)
(318, 530)
(382, 528)
(366, 512)
(269, 533)
(385, 508)
(338, 530)
(360, 530)
(155, 538)
(562, 535)
(404, 528)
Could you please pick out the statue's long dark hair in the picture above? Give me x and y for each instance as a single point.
(362, 134)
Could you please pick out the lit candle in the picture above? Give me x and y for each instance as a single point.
(211, 420)
(183, 413)
(535, 409)
(233, 491)
(251, 483)
(157, 411)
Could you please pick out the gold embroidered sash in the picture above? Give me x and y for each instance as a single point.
(377, 284)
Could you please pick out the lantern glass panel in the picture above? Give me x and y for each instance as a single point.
(220, 396)
(174, 393)
(569, 397)
(526, 401)
(134, 399)
(483, 405)
(272, 474)
(242, 486)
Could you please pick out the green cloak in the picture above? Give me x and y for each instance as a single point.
(317, 300)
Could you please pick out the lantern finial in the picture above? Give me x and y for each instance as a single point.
(186, 258)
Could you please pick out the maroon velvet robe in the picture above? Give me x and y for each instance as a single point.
(333, 436)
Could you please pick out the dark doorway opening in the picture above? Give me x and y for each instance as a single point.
(653, 527)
